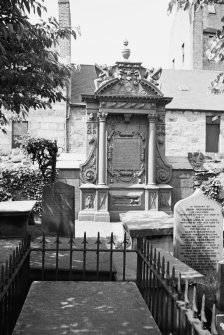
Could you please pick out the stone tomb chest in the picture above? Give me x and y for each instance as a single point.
(125, 167)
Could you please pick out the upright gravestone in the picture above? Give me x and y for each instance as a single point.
(198, 232)
(58, 204)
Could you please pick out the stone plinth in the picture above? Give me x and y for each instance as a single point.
(153, 225)
(14, 217)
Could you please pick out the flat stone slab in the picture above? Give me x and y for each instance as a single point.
(64, 256)
(186, 271)
(85, 308)
(16, 207)
(151, 223)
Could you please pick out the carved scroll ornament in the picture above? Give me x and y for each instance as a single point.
(163, 168)
(88, 169)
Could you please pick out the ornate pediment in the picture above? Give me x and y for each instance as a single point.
(127, 79)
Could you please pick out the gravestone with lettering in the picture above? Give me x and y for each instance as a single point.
(58, 204)
(198, 232)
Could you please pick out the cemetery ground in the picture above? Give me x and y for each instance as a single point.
(167, 285)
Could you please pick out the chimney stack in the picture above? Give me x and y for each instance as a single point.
(65, 22)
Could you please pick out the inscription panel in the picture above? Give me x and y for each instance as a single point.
(198, 232)
(126, 153)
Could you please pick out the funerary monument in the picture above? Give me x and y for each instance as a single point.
(126, 167)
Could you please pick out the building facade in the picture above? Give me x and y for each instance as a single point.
(191, 33)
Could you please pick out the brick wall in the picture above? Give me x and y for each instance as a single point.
(65, 22)
(77, 130)
(197, 47)
(188, 29)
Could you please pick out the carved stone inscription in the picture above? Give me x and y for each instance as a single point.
(198, 232)
(126, 153)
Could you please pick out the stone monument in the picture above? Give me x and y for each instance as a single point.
(198, 232)
(126, 167)
(58, 204)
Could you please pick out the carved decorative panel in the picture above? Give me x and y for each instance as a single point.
(163, 168)
(88, 170)
(126, 200)
(126, 156)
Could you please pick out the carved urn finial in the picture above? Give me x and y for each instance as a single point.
(126, 51)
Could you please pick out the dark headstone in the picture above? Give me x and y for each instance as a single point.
(58, 208)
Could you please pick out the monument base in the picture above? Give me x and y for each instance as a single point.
(94, 216)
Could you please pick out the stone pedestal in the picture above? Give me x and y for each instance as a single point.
(94, 203)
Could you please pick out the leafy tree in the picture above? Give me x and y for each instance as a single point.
(31, 75)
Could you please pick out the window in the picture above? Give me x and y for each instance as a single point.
(212, 133)
(18, 129)
(182, 47)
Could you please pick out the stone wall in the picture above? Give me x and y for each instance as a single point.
(182, 183)
(76, 141)
(185, 132)
(49, 124)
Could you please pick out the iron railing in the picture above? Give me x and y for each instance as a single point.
(167, 295)
(56, 258)
(14, 286)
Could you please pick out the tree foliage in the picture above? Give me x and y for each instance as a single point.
(31, 75)
(44, 152)
(22, 183)
(185, 4)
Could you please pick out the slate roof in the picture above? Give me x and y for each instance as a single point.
(189, 88)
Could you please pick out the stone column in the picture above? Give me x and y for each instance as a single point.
(152, 149)
(102, 148)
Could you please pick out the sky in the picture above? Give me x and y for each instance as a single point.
(105, 24)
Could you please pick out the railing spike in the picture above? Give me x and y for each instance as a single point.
(179, 290)
(194, 303)
(111, 241)
(213, 324)
(151, 254)
(163, 267)
(71, 240)
(154, 258)
(2, 279)
(158, 264)
(186, 299)
(147, 250)
(167, 271)
(84, 239)
(173, 278)
(203, 317)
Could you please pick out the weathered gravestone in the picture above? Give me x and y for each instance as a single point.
(58, 204)
(198, 232)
